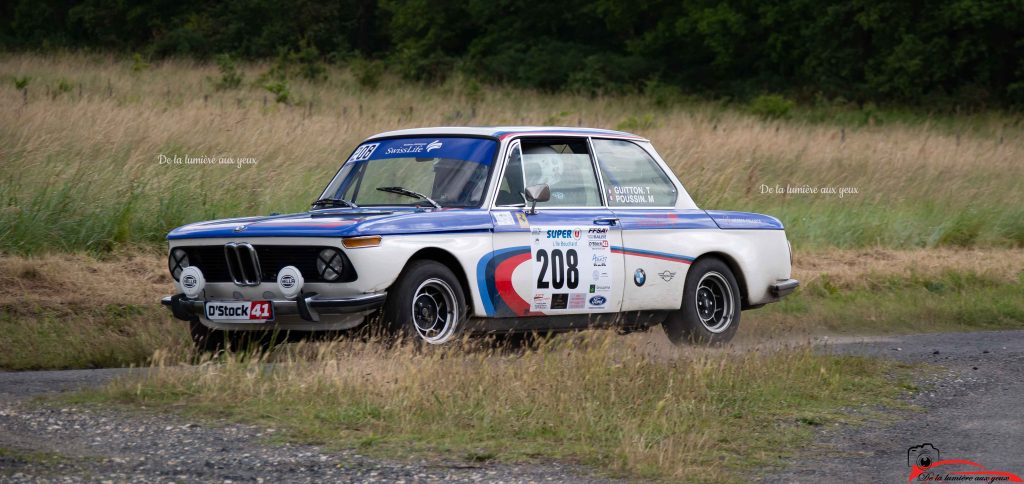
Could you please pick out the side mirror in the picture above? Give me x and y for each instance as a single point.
(537, 193)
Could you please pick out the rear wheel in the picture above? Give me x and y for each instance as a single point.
(710, 312)
(426, 305)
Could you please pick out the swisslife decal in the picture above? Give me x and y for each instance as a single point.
(477, 150)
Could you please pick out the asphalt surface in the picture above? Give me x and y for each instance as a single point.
(968, 406)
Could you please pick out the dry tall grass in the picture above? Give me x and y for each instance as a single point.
(79, 154)
(694, 415)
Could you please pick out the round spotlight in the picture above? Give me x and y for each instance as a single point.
(192, 282)
(329, 264)
(289, 281)
(177, 261)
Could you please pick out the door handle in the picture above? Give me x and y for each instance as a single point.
(606, 221)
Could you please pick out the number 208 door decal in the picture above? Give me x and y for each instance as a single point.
(568, 267)
(569, 272)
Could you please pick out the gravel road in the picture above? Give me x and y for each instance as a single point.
(969, 407)
(46, 443)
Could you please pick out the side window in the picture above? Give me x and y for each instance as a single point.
(511, 190)
(565, 166)
(631, 177)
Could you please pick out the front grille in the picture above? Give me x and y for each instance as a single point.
(243, 264)
(213, 261)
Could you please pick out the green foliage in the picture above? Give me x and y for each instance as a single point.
(368, 73)
(771, 106)
(963, 230)
(947, 54)
(21, 82)
(138, 63)
(310, 66)
(280, 91)
(634, 123)
(230, 78)
(63, 85)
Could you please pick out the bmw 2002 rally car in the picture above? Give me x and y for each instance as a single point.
(434, 233)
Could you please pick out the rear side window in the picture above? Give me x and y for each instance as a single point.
(631, 176)
(565, 166)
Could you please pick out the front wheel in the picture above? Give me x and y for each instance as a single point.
(710, 312)
(426, 305)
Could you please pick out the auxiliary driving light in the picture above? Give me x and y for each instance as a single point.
(192, 282)
(289, 281)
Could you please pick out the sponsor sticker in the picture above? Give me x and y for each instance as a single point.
(249, 311)
(560, 301)
(503, 218)
(521, 217)
(364, 152)
(577, 300)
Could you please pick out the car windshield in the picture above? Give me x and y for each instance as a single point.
(451, 172)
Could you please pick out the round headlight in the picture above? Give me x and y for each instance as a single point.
(329, 264)
(177, 261)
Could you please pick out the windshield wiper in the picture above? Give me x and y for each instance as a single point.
(336, 202)
(409, 193)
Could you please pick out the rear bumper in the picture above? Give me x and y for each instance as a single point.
(783, 287)
(308, 307)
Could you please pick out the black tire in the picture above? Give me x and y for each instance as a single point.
(440, 304)
(710, 312)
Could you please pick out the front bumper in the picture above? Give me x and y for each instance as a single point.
(783, 287)
(308, 307)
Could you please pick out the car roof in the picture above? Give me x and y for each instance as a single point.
(502, 132)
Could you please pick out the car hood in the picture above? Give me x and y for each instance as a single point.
(340, 223)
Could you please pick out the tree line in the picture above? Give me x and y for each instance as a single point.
(944, 54)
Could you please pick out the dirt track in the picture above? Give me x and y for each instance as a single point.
(970, 409)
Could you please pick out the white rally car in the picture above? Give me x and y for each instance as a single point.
(434, 233)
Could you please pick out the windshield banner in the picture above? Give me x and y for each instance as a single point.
(478, 150)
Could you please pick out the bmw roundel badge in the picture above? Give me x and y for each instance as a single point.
(639, 277)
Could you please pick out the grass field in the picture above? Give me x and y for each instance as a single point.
(696, 415)
(925, 237)
(81, 147)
